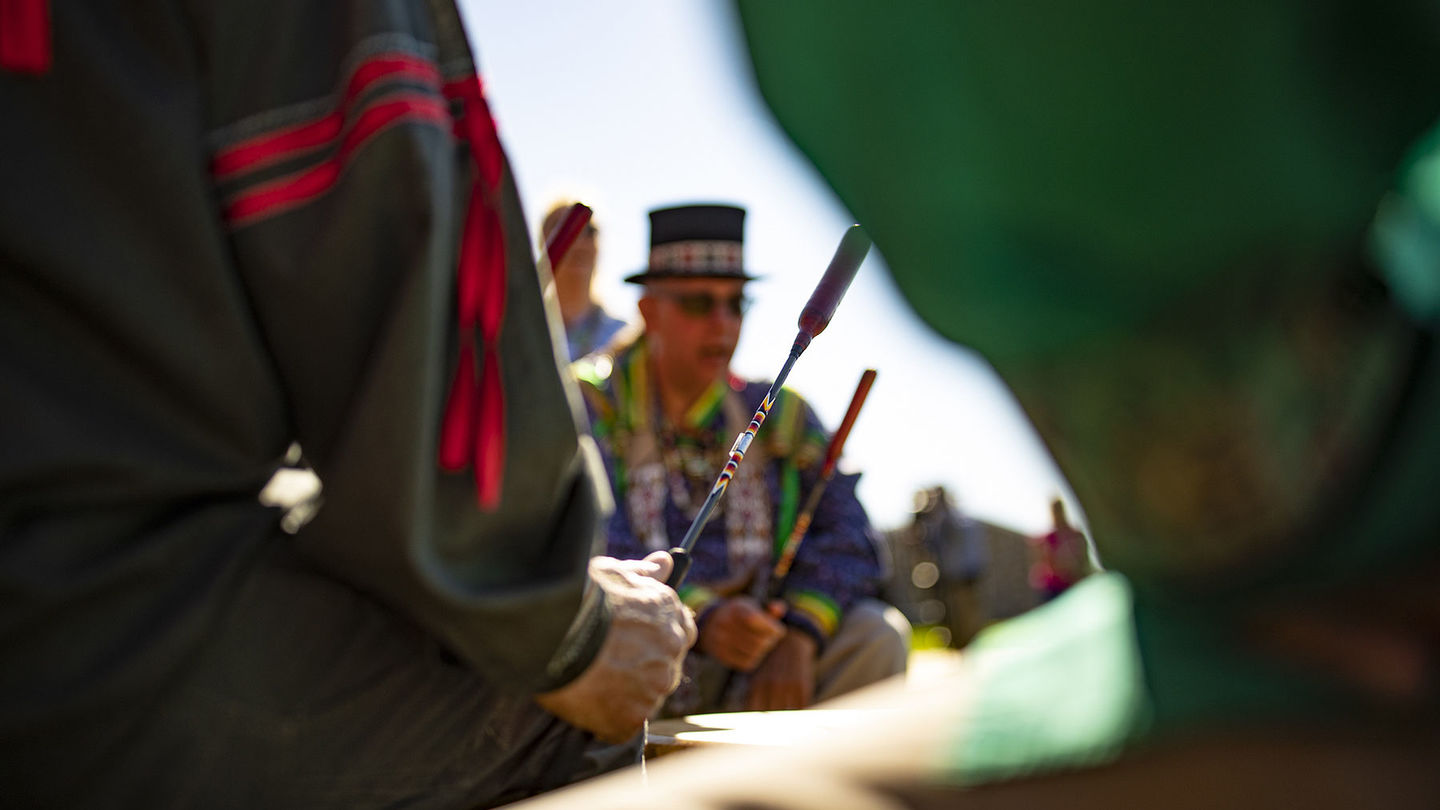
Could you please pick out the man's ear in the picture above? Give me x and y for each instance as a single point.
(646, 305)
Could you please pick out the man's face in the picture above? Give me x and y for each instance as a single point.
(692, 327)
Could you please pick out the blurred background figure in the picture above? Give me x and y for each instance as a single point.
(952, 573)
(587, 325)
(1059, 558)
(959, 548)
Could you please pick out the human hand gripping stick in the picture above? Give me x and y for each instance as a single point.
(639, 662)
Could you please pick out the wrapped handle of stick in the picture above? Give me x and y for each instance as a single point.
(781, 571)
(816, 315)
(769, 590)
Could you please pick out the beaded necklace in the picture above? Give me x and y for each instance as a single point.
(666, 463)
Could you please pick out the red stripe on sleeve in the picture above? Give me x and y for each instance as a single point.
(25, 41)
(286, 193)
(292, 141)
(273, 147)
(389, 65)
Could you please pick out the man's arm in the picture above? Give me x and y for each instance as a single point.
(346, 241)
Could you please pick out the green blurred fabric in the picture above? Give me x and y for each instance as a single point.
(1036, 172)
(1201, 242)
(1034, 720)
(1156, 222)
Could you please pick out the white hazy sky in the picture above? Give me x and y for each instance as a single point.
(630, 105)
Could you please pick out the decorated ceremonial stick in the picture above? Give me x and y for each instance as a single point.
(813, 319)
(827, 471)
(737, 684)
(558, 243)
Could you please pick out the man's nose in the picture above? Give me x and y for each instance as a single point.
(723, 315)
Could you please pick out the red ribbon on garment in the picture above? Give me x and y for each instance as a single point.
(25, 45)
(472, 432)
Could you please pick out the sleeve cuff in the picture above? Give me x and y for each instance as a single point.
(582, 641)
(814, 613)
(590, 506)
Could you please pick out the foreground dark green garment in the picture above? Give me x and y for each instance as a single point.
(163, 641)
(1202, 244)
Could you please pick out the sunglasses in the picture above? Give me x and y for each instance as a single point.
(702, 304)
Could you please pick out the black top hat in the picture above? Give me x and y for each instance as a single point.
(695, 241)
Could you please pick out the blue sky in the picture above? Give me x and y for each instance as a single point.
(636, 104)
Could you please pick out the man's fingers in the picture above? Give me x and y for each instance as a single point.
(759, 698)
(746, 650)
(767, 695)
(756, 700)
(662, 563)
(622, 729)
(762, 623)
(657, 565)
(688, 626)
(805, 691)
(758, 650)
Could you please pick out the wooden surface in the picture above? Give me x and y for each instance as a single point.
(790, 728)
(758, 729)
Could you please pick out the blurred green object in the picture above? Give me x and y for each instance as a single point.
(1087, 715)
(1154, 220)
(1201, 242)
(1038, 172)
